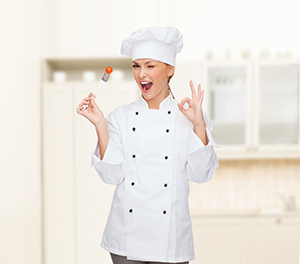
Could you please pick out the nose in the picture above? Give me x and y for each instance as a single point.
(142, 73)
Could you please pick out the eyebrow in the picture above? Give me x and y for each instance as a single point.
(147, 62)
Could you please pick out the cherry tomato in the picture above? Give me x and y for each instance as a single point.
(109, 70)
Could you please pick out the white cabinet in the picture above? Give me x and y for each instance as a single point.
(58, 173)
(229, 102)
(252, 239)
(277, 106)
(254, 108)
(219, 240)
(274, 240)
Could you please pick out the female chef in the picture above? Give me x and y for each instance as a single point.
(150, 149)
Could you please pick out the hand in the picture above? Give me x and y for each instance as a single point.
(194, 112)
(92, 112)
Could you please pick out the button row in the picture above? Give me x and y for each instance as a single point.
(133, 129)
(169, 112)
(131, 210)
(165, 185)
(134, 156)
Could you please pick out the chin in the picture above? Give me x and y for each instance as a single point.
(147, 96)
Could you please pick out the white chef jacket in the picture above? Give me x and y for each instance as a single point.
(151, 155)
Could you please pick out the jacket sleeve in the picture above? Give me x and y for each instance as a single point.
(109, 168)
(202, 160)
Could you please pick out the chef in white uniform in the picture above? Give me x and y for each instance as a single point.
(150, 149)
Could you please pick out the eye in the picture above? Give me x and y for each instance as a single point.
(150, 66)
(135, 66)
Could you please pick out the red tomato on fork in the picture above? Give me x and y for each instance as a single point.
(109, 70)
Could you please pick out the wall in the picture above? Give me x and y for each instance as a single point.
(247, 186)
(20, 156)
(96, 28)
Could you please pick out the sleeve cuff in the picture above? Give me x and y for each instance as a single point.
(111, 156)
(195, 143)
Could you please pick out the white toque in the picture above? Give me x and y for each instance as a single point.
(158, 43)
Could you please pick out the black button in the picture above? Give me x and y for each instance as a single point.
(133, 128)
(166, 157)
(165, 185)
(133, 155)
(164, 212)
(136, 113)
(132, 183)
(130, 210)
(167, 130)
(169, 112)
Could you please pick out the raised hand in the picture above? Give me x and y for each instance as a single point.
(194, 111)
(92, 112)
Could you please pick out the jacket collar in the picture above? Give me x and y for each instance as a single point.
(164, 105)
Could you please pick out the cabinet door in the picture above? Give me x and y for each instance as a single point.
(93, 197)
(277, 105)
(58, 173)
(219, 240)
(229, 101)
(274, 240)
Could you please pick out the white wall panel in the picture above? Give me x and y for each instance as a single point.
(58, 174)
(21, 26)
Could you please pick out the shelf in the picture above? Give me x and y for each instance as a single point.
(87, 63)
(279, 88)
(74, 68)
(255, 155)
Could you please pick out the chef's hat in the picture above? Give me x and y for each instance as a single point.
(158, 43)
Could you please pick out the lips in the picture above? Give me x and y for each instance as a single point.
(146, 86)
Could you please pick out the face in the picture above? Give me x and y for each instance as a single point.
(152, 78)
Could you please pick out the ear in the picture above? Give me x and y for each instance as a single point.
(171, 70)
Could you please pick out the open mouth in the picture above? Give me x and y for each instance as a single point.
(146, 86)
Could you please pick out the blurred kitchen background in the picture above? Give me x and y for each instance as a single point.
(245, 54)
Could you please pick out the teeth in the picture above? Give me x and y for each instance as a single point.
(143, 83)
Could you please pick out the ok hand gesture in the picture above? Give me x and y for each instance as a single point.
(194, 112)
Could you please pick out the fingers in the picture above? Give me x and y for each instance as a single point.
(201, 97)
(183, 101)
(79, 110)
(193, 89)
(93, 103)
(85, 102)
(199, 91)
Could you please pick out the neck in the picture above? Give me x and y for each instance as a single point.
(155, 102)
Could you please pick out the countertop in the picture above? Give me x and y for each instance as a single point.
(278, 213)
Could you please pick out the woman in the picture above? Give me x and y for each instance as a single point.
(149, 149)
